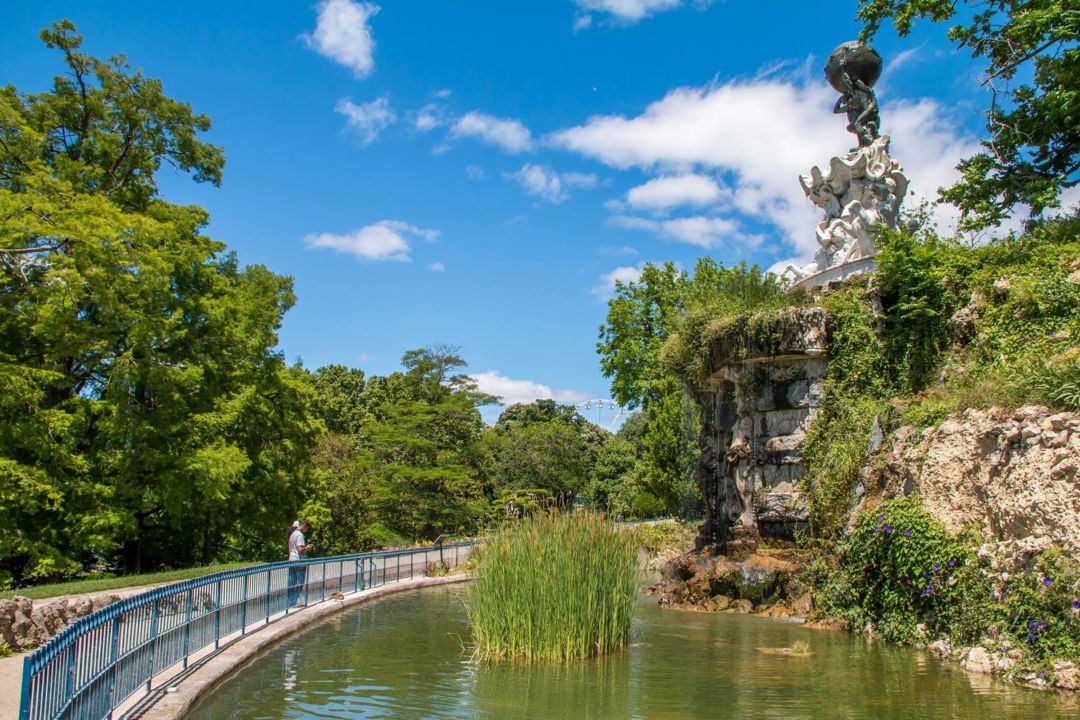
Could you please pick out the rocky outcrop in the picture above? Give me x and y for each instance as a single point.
(1014, 473)
(765, 582)
(25, 625)
(756, 407)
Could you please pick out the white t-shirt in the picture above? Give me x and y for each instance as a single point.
(296, 540)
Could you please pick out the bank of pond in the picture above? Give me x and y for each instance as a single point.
(409, 656)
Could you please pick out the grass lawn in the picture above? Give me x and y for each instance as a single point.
(89, 585)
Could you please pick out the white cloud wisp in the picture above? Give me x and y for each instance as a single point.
(505, 133)
(342, 33)
(512, 391)
(368, 119)
(386, 240)
(544, 182)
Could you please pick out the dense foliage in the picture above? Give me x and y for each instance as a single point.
(904, 574)
(555, 587)
(1032, 54)
(145, 417)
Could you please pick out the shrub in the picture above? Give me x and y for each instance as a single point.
(554, 587)
(903, 572)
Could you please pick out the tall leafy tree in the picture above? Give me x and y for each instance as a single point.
(1032, 54)
(144, 408)
(640, 317)
(423, 449)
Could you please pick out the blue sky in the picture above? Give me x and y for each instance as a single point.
(478, 173)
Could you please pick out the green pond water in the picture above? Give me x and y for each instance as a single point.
(405, 657)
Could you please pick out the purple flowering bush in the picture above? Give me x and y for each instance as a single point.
(900, 569)
(1040, 607)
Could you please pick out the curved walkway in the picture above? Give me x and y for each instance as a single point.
(173, 702)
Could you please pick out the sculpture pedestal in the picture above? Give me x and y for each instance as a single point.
(837, 273)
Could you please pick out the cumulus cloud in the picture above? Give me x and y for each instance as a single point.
(505, 133)
(700, 230)
(437, 267)
(342, 33)
(627, 11)
(387, 240)
(544, 182)
(475, 172)
(368, 119)
(671, 191)
(762, 133)
(626, 274)
(511, 391)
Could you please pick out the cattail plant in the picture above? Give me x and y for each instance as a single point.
(556, 586)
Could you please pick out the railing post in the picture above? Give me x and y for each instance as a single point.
(217, 617)
(268, 574)
(360, 562)
(187, 625)
(24, 699)
(243, 608)
(356, 575)
(112, 658)
(153, 641)
(307, 569)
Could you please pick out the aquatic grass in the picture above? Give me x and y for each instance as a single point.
(555, 587)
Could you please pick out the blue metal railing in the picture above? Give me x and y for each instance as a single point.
(103, 660)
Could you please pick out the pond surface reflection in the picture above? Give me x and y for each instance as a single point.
(404, 657)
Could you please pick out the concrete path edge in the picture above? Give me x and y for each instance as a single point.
(175, 705)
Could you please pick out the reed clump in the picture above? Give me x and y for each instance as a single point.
(555, 587)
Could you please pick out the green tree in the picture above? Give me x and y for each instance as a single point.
(340, 400)
(670, 450)
(640, 317)
(614, 482)
(131, 343)
(1032, 54)
(423, 451)
(551, 456)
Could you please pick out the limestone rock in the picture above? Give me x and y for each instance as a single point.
(978, 660)
(1012, 473)
(1066, 675)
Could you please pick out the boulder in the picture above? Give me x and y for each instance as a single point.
(978, 660)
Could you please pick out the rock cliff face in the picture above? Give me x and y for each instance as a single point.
(1013, 473)
(755, 410)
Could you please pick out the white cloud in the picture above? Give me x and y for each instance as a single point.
(430, 116)
(506, 133)
(513, 391)
(342, 34)
(582, 22)
(699, 230)
(627, 274)
(628, 11)
(544, 182)
(670, 191)
(442, 94)
(437, 267)
(475, 172)
(386, 240)
(368, 119)
(763, 133)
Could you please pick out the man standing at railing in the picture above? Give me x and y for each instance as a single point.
(298, 551)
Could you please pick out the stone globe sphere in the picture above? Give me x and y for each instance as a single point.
(858, 60)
